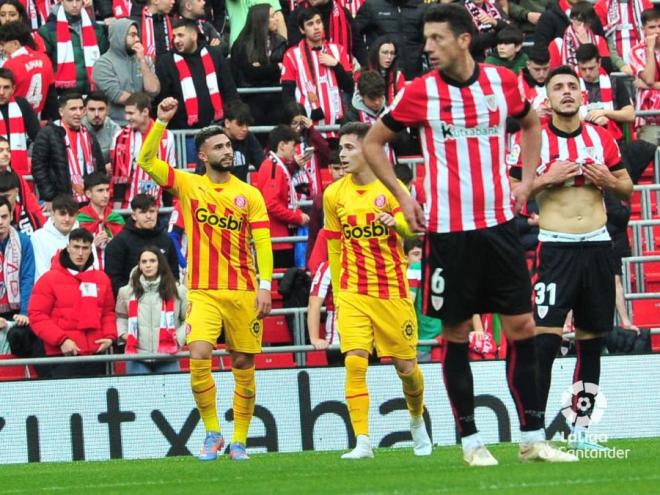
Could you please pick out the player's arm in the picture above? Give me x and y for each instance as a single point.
(314, 322)
(333, 229)
(263, 247)
(398, 222)
(148, 160)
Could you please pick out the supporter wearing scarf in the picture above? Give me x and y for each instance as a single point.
(65, 76)
(475, 9)
(167, 343)
(190, 99)
(605, 102)
(10, 260)
(109, 222)
(121, 8)
(15, 132)
(622, 23)
(78, 144)
(339, 26)
(149, 32)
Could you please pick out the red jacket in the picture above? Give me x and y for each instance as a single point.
(58, 310)
(273, 183)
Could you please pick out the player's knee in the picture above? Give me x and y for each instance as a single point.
(519, 327)
(200, 350)
(241, 360)
(458, 332)
(404, 365)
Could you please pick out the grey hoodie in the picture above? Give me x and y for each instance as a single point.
(117, 71)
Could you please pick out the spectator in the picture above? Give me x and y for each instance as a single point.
(176, 230)
(562, 49)
(555, 20)
(13, 10)
(64, 152)
(54, 235)
(74, 43)
(97, 217)
(315, 72)
(402, 20)
(622, 23)
(99, 125)
(124, 69)
(151, 311)
(72, 308)
(508, 51)
(129, 180)
(645, 62)
(194, 11)
(32, 70)
(275, 182)
(121, 254)
(18, 122)
(532, 80)
(382, 57)
(17, 274)
(197, 75)
(155, 27)
(337, 23)
(237, 13)
(489, 19)
(26, 212)
(369, 99)
(526, 14)
(255, 60)
(429, 328)
(247, 149)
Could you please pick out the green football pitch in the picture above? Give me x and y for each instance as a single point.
(393, 471)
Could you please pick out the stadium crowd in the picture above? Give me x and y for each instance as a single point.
(79, 84)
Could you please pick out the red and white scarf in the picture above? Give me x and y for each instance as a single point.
(81, 162)
(606, 102)
(37, 11)
(486, 8)
(570, 44)
(351, 5)
(311, 168)
(10, 295)
(318, 87)
(148, 32)
(624, 23)
(190, 99)
(166, 334)
(340, 28)
(125, 169)
(293, 197)
(15, 132)
(121, 8)
(66, 63)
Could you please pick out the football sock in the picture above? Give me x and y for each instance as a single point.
(244, 400)
(587, 366)
(204, 390)
(357, 394)
(413, 390)
(521, 373)
(547, 347)
(457, 376)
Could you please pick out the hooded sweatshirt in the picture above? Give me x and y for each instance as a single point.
(117, 71)
(46, 242)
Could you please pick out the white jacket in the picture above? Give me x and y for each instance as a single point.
(46, 241)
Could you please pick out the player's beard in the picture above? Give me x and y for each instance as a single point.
(219, 167)
(568, 114)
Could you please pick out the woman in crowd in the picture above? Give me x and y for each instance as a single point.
(13, 10)
(255, 59)
(151, 311)
(382, 57)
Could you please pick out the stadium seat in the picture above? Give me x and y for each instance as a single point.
(317, 358)
(13, 372)
(277, 360)
(276, 330)
(646, 314)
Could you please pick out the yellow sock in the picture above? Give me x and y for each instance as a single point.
(244, 399)
(357, 394)
(413, 390)
(203, 388)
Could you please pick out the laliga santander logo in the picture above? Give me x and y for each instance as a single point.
(590, 404)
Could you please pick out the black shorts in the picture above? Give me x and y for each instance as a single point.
(478, 271)
(577, 276)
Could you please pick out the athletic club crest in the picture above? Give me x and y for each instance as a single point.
(380, 201)
(491, 102)
(240, 201)
(542, 311)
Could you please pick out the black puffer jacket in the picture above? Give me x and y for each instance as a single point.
(50, 167)
(401, 19)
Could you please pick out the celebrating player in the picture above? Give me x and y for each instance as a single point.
(474, 262)
(368, 269)
(578, 162)
(221, 216)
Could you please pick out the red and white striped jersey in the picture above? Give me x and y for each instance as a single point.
(588, 144)
(622, 23)
(322, 287)
(536, 95)
(647, 99)
(562, 52)
(462, 127)
(606, 102)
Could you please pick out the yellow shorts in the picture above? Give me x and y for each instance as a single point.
(211, 311)
(390, 324)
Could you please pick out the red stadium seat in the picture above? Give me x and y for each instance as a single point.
(276, 330)
(317, 358)
(13, 372)
(278, 360)
(646, 313)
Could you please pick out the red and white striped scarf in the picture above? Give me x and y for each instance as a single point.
(15, 132)
(570, 44)
(293, 197)
(125, 169)
(81, 162)
(606, 102)
(624, 25)
(487, 8)
(312, 170)
(190, 99)
(148, 33)
(340, 28)
(121, 8)
(351, 5)
(166, 334)
(66, 64)
(10, 261)
(37, 11)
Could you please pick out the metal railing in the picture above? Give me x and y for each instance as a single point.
(641, 293)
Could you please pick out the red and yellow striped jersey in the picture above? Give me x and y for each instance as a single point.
(372, 258)
(219, 220)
